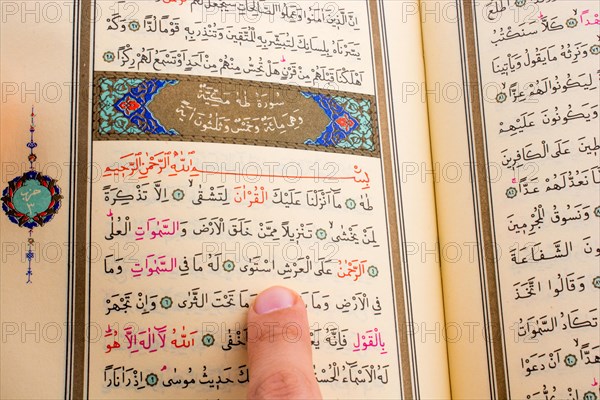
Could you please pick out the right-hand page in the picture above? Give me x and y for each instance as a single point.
(512, 92)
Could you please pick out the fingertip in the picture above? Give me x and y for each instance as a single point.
(273, 299)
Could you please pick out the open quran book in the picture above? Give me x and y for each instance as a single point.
(425, 174)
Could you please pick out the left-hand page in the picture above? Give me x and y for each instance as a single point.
(36, 72)
(224, 147)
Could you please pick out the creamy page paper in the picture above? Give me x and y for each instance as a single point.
(414, 173)
(35, 71)
(446, 97)
(533, 87)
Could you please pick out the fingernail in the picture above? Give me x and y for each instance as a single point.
(273, 299)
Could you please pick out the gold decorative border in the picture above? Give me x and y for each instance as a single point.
(392, 212)
(80, 339)
(494, 331)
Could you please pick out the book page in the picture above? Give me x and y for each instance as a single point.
(35, 77)
(413, 173)
(513, 99)
(219, 148)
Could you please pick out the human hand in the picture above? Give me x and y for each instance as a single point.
(279, 348)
